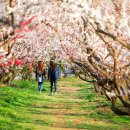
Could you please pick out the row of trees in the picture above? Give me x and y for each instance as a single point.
(91, 35)
(105, 48)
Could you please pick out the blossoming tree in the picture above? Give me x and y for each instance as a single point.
(92, 35)
(106, 32)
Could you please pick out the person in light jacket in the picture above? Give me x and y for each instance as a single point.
(40, 75)
(53, 76)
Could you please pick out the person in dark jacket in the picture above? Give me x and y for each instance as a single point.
(40, 75)
(53, 76)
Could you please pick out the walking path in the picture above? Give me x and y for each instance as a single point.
(63, 109)
(75, 107)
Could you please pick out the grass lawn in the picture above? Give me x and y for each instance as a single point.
(75, 107)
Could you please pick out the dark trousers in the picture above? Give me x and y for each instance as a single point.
(55, 85)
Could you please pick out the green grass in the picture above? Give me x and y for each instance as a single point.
(76, 106)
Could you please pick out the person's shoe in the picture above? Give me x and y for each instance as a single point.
(51, 93)
(55, 93)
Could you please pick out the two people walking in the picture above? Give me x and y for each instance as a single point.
(53, 76)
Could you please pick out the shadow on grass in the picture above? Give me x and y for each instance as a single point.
(55, 113)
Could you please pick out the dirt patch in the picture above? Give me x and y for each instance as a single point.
(3, 85)
(104, 110)
(69, 89)
(69, 112)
